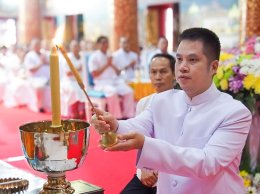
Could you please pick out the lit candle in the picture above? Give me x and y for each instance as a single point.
(55, 87)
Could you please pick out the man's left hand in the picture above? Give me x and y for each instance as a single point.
(126, 142)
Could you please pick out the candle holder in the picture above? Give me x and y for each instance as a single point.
(55, 150)
(109, 139)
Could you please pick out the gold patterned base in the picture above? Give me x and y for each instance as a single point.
(13, 185)
(57, 185)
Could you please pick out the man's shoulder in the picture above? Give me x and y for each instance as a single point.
(133, 53)
(146, 98)
(117, 52)
(95, 55)
(170, 95)
(230, 105)
(228, 99)
(174, 92)
(31, 54)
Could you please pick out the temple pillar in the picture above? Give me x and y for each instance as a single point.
(252, 18)
(152, 27)
(69, 29)
(125, 23)
(29, 20)
(250, 14)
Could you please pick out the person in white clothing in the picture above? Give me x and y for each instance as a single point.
(162, 77)
(19, 91)
(73, 98)
(37, 66)
(106, 79)
(162, 47)
(126, 60)
(36, 62)
(194, 137)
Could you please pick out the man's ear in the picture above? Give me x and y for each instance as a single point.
(214, 66)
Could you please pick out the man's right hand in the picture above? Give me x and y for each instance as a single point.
(103, 121)
(149, 177)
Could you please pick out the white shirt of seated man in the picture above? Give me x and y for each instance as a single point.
(162, 78)
(37, 65)
(69, 85)
(108, 81)
(126, 60)
(120, 98)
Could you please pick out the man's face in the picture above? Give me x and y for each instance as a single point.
(37, 47)
(103, 45)
(163, 45)
(161, 74)
(76, 49)
(192, 69)
(125, 45)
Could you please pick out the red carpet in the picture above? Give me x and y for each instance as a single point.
(111, 171)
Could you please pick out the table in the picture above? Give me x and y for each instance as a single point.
(36, 183)
(141, 89)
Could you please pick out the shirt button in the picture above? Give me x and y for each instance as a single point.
(174, 183)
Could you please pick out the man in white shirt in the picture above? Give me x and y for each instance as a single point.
(106, 79)
(72, 96)
(162, 47)
(194, 137)
(162, 77)
(36, 62)
(126, 60)
(37, 67)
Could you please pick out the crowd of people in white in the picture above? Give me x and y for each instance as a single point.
(24, 76)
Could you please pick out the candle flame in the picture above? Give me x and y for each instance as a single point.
(58, 38)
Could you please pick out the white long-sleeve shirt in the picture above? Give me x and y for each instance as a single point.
(196, 145)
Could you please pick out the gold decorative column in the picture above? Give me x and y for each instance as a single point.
(29, 21)
(69, 32)
(253, 16)
(250, 14)
(152, 27)
(125, 23)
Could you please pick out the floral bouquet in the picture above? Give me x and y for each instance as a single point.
(239, 75)
(251, 182)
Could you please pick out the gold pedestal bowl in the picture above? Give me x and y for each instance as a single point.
(55, 150)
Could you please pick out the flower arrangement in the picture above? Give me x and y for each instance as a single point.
(251, 182)
(239, 75)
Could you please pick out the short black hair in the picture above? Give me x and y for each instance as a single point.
(167, 56)
(100, 38)
(210, 41)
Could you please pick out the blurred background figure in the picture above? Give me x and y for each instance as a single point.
(126, 60)
(37, 67)
(19, 91)
(106, 79)
(46, 49)
(36, 62)
(72, 97)
(162, 47)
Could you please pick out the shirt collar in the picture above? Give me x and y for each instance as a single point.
(210, 94)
